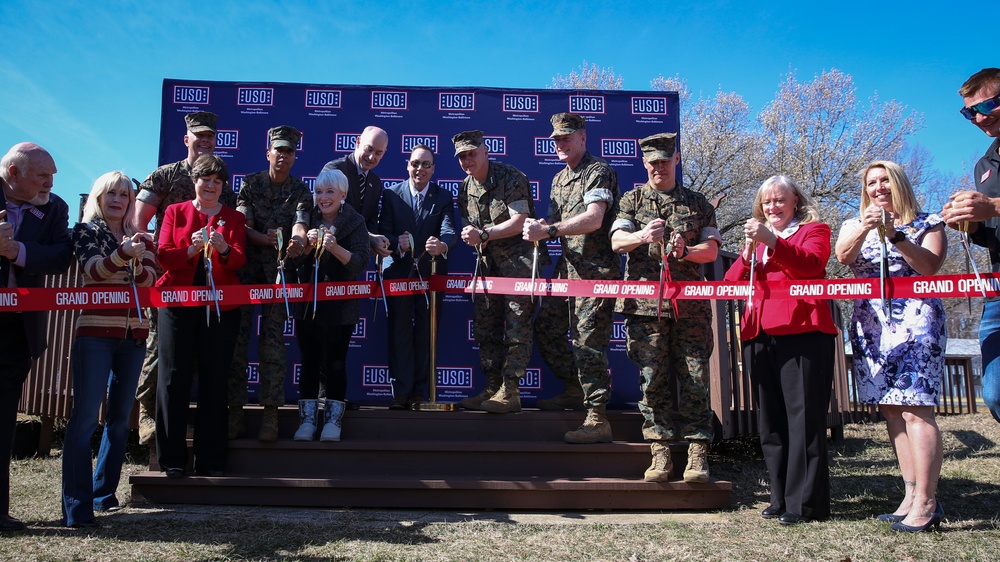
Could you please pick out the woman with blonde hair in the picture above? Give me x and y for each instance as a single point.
(108, 349)
(899, 346)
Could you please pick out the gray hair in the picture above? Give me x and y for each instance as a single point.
(334, 178)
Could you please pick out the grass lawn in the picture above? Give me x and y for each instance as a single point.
(865, 482)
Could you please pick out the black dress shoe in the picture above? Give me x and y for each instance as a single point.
(771, 512)
(398, 404)
(789, 518)
(175, 473)
(8, 523)
(92, 524)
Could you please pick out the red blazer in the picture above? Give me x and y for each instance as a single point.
(180, 221)
(802, 256)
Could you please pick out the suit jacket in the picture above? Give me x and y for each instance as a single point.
(180, 221)
(373, 189)
(436, 219)
(48, 250)
(800, 257)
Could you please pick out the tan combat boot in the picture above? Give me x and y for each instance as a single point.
(662, 465)
(237, 422)
(507, 400)
(595, 429)
(269, 424)
(474, 402)
(569, 399)
(147, 428)
(697, 465)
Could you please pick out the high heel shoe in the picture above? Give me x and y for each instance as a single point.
(934, 522)
(890, 517)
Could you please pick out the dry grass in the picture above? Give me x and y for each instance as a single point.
(865, 482)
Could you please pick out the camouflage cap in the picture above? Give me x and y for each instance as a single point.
(283, 135)
(467, 140)
(567, 124)
(661, 146)
(201, 121)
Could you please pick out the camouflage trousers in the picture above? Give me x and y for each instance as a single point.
(145, 393)
(270, 352)
(672, 354)
(502, 328)
(589, 322)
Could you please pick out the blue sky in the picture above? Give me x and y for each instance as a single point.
(84, 79)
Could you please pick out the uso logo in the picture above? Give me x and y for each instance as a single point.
(457, 101)
(360, 329)
(197, 95)
(345, 142)
(253, 373)
(454, 377)
(375, 375)
(296, 373)
(289, 328)
(544, 146)
(618, 148)
(618, 331)
(238, 182)
(267, 141)
(532, 378)
(496, 145)
(520, 103)
(255, 96)
(371, 275)
(470, 334)
(326, 99)
(409, 141)
(535, 187)
(638, 184)
(227, 139)
(586, 104)
(450, 185)
(642, 105)
(388, 100)
(310, 181)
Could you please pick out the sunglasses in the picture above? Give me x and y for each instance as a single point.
(983, 108)
(425, 164)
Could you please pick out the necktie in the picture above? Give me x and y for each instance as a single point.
(361, 190)
(417, 202)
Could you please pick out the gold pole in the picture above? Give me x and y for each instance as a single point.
(434, 405)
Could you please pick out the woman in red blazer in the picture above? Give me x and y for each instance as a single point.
(188, 338)
(788, 347)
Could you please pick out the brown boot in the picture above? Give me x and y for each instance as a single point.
(662, 466)
(269, 424)
(507, 400)
(569, 399)
(697, 465)
(474, 402)
(237, 422)
(595, 429)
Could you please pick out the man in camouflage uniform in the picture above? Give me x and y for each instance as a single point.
(494, 201)
(669, 349)
(582, 204)
(270, 200)
(169, 184)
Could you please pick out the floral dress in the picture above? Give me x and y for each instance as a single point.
(899, 359)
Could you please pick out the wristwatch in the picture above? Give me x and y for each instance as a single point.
(897, 237)
(484, 235)
(553, 231)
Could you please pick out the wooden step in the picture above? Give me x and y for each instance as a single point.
(450, 493)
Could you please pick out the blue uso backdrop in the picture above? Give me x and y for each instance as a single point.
(516, 126)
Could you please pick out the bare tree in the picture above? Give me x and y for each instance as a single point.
(589, 77)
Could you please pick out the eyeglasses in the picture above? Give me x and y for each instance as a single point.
(984, 107)
(425, 164)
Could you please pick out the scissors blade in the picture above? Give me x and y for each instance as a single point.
(753, 270)
(135, 290)
(475, 273)
(315, 286)
(534, 270)
(381, 286)
(665, 278)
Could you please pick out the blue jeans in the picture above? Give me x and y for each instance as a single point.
(989, 342)
(101, 366)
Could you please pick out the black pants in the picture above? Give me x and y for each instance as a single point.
(323, 349)
(410, 344)
(793, 375)
(15, 362)
(186, 341)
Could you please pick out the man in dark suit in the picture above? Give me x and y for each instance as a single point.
(34, 241)
(419, 209)
(364, 185)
